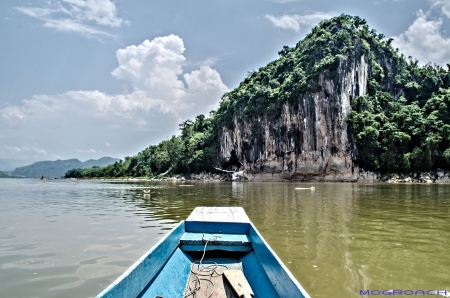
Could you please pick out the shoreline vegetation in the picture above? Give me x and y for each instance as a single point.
(8, 174)
(440, 176)
(397, 118)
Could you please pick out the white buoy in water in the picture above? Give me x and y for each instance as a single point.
(311, 188)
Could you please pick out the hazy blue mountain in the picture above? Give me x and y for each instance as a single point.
(9, 164)
(57, 168)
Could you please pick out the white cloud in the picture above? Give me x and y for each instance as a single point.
(423, 40)
(155, 67)
(444, 4)
(285, 22)
(76, 123)
(80, 16)
(25, 149)
(204, 84)
(64, 124)
(88, 151)
(102, 12)
(294, 21)
(208, 61)
(67, 25)
(37, 12)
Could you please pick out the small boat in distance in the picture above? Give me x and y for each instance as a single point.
(215, 252)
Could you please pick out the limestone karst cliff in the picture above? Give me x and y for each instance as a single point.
(310, 140)
(290, 119)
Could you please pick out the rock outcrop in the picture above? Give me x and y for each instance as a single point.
(439, 176)
(310, 140)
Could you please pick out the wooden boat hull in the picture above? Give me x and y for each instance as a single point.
(230, 240)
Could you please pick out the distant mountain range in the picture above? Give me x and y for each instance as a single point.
(9, 164)
(57, 168)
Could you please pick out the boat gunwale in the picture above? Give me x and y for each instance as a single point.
(112, 287)
(277, 260)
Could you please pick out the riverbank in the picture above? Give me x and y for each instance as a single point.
(439, 176)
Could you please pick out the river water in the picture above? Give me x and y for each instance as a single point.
(73, 238)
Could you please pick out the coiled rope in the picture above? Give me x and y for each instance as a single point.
(203, 273)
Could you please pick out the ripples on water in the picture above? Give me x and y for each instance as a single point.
(73, 238)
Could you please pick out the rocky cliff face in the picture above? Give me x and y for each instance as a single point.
(310, 140)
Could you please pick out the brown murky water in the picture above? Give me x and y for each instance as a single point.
(73, 238)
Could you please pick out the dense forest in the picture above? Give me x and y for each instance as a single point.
(194, 150)
(401, 125)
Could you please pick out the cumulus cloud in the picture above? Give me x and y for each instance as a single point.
(91, 123)
(79, 16)
(294, 21)
(424, 41)
(155, 67)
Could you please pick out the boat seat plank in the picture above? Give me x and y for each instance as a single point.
(219, 214)
(217, 227)
(215, 239)
(227, 242)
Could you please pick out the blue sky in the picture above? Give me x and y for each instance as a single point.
(91, 78)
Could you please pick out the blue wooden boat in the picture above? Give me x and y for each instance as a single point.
(199, 257)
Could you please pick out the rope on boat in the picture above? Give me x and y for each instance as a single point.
(204, 273)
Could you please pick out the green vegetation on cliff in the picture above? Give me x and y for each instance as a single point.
(192, 151)
(402, 124)
(402, 136)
